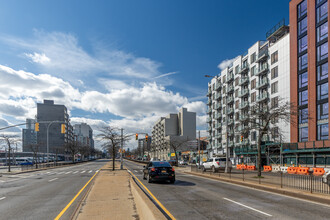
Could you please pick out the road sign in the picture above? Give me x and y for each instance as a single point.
(172, 154)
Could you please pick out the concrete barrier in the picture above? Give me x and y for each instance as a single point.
(276, 169)
(284, 169)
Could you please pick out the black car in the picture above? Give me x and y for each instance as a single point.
(159, 171)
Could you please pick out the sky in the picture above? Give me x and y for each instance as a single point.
(122, 63)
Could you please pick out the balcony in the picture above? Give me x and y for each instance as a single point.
(230, 122)
(218, 95)
(218, 106)
(263, 83)
(262, 97)
(218, 125)
(209, 120)
(209, 102)
(243, 81)
(263, 55)
(243, 105)
(243, 69)
(230, 100)
(217, 86)
(230, 89)
(243, 117)
(230, 111)
(209, 129)
(218, 116)
(262, 69)
(209, 92)
(245, 142)
(218, 136)
(243, 92)
(230, 77)
(230, 132)
(230, 143)
(209, 111)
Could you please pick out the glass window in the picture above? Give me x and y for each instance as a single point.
(274, 72)
(303, 134)
(322, 111)
(322, 72)
(322, 91)
(253, 70)
(303, 97)
(322, 32)
(303, 115)
(302, 8)
(303, 80)
(253, 57)
(322, 12)
(274, 102)
(303, 61)
(322, 132)
(302, 44)
(274, 57)
(274, 87)
(302, 26)
(322, 51)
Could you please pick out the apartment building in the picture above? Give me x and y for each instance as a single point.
(309, 24)
(29, 135)
(83, 133)
(178, 127)
(261, 75)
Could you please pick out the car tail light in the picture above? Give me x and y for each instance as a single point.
(173, 169)
(153, 169)
(218, 163)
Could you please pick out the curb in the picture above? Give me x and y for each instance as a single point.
(301, 195)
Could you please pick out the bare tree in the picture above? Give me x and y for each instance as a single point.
(9, 140)
(84, 150)
(35, 149)
(72, 148)
(176, 143)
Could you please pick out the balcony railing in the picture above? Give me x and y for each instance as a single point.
(218, 106)
(209, 92)
(218, 95)
(230, 99)
(263, 83)
(218, 125)
(218, 116)
(262, 69)
(209, 119)
(230, 89)
(243, 80)
(263, 96)
(243, 117)
(230, 122)
(243, 68)
(243, 105)
(209, 102)
(218, 136)
(209, 111)
(243, 93)
(230, 110)
(262, 55)
(230, 143)
(230, 77)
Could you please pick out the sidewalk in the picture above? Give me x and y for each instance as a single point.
(114, 195)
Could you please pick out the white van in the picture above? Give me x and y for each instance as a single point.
(216, 163)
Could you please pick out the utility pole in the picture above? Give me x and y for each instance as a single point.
(226, 168)
(199, 149)
(121, 149)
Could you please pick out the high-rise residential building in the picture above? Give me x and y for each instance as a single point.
(144, 146)
(309, 24)
(47, 113)
(174, 127)
(29, 135)
(260, 77)
(84, 134)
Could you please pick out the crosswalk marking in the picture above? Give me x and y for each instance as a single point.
(68, 172)
(52, 179)
(83, 171)
(75, 172)
(90, 171)
(2, 198)
(60, 173)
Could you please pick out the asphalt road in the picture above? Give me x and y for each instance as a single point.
(193, 197)
(43, 194)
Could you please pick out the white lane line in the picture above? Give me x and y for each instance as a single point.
(247, 207)
(2, 198)
(52, 180)
(47, 172)
(135, 171)
(75, 172)
(68, 172)
(60, 172)
(83, 171)
(1, 181)
(90, 171)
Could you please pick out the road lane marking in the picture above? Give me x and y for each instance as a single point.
(2, 198)
(256, 210)
(68, 172)
(156, 200)
(75, 172)
(83, 171)
(60, 172)
(90, 171)
(135, 171)
(74, 198)
(52, 180)
(96, 171)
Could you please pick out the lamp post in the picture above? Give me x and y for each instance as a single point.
(48, 126)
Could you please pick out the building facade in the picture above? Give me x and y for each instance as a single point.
(83, 133)
(174, 127)
(259, 77)
(309, 24)
(29, 135)
(48, 112)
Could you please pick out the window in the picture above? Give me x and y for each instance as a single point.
(303, 115)
(322, 91)
(322, 111)
(303, 61)
(236, 81)
(274, 120)
(253, 84)
(302, 26)
(302, 44)
(224, 89)
(236, 69)
(275, 132)
(302, 9)
(303, 134)
(322, 12)
(322, 51)
(303, 80)
(274, 57)
(322, 72)
(322, 131)
(253, 135)
(253, 97)
(274, 72)
(322, 32)
(303, 97)
(253, 57)
(274, 102)
(236, 104)
(274, 87)
(236, 93)
(253, 70)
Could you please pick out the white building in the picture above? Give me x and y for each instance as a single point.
(262, 75)
(181, 126)
(84, 134)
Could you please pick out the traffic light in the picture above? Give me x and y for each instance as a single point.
(136, 136)
(63, 128)
(146, 138)
(241, 138)
(36, 126)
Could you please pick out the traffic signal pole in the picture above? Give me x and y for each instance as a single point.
(121, 151)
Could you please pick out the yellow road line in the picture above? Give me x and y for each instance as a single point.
(156, 200)
(74, 198)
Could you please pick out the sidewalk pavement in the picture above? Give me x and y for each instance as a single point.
(114, 195)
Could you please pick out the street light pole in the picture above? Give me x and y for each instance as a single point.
(48, 126)
(199, 149)
(121, 151)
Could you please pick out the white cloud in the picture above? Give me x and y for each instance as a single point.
(226, 63)
(38, 58)
(199, 107)
(165, 74)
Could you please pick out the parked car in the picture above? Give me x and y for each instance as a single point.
(23, 161)
(183, 162)
(159, 171)
(326, 178)
(216, 163)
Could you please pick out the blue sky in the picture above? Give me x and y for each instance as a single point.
(122, 62)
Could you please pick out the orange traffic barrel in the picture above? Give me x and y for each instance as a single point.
(243, 167)
(303, 170)
(251, 167)
(267, 168)
(292, 170)
(318, 171)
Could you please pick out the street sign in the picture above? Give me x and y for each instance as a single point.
(172, 154)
